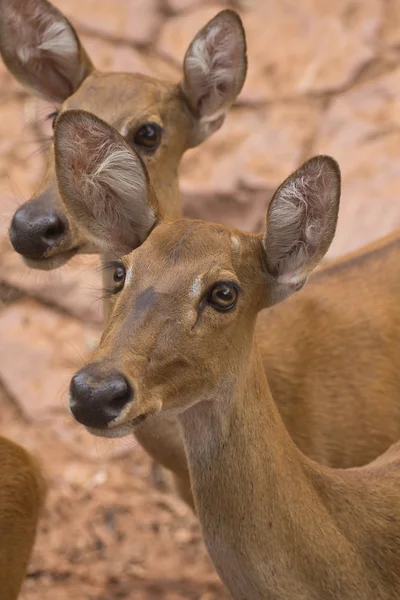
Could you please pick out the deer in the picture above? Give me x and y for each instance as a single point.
(22, 495)
(333, 369)
(160, 119)
(181, 340)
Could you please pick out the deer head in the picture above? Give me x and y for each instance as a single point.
(159, 119)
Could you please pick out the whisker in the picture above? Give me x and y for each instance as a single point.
(77, 352)
(16, 191)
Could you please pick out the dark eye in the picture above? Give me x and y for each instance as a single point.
(52, 117)
(148, 136)
(223, 296)
(119, 277)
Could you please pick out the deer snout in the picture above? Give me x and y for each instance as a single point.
(98, 396)
(37, 228)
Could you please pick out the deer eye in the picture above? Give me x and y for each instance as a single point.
(119, 274)
(223, 296)
(148, 136)
(52, 117)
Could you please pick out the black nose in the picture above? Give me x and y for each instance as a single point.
(97, 396)
(37, 228)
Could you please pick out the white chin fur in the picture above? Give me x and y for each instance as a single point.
(51, 263)
(115, 432)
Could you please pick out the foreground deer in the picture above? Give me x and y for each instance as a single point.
(159, 119)
(22, 491)
(331, 351)
(180, 340)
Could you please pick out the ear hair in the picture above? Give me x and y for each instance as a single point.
(301, 223)
(215, 67)
(41, 48)
(103, 183)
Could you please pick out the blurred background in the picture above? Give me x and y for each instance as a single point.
(324, 77)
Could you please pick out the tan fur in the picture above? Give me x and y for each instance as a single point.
(22, 492)
(277, 525)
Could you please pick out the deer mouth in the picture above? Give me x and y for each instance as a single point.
(120, 430)
(52, 262)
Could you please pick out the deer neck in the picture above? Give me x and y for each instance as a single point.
(267, 531)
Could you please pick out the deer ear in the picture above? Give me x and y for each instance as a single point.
(41, 48)
(301, 224)
(103, 183)
(215, 67)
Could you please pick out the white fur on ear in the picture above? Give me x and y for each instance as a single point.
(103, 183)
(56, 38)
(119, 173)
(41, 48)
(301, 222)
(215, 68)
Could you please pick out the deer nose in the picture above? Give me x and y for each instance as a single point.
(97, 397)
(35, 229)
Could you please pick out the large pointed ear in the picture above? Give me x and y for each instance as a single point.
(103, 183)
(215, 68)
(41, 48)
(301, 224)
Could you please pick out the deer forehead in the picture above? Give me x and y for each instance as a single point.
(112, 96)
(186, 255)
(190, 241)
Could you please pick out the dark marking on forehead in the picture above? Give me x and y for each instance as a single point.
(145, 300)
(133, 313)
(179, 247)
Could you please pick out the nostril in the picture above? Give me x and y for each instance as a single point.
(119, 393)
(114, 395)
(54, 229)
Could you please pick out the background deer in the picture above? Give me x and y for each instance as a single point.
(159, 119)
(331, 351)
(22, 491)
(180, 340)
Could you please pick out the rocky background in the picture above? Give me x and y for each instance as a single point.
(324, 77)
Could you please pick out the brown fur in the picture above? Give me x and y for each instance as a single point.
(277, 525)
(22, 492)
